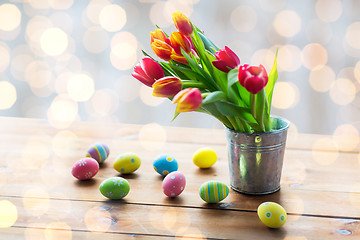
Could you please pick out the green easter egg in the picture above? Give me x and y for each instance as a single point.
(214, 191)
(115, 188)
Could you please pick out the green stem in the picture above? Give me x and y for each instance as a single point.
(191, 84)
(253, 104)
(245, 125)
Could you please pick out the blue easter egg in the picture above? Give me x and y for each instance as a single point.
(165, 164)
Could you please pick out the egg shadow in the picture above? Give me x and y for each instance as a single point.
(103, 165)
(174, 200)
(206, 171)
(86, 183)
(129, 175)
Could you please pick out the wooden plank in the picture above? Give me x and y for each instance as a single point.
(45, 231)
(98, 132)
(122, 217)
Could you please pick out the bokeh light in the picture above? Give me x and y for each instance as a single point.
(325, 157)
(123, 50)
(287, 23)
(62, 112)
(343, 91)
(157, 15)
(39, 4)
(80, 87)
(243, 18)
(64, 142)
(152, 136)
(265, 57)
(38, 74)
(104, 102)
(357, 71)
(286, 95)
(322, 79)
(58, 230)
(8, 95)
(346, 137)
(97, 219)
(94, 8)
(5, 56)
(328, 10)
(96, 40)
(147, 97)
(54, 41)
(353, 35)
(314, 55)
(36, 201)
(61, 4)
(112, 18)
(8, 214)
(10, 17)
(171, 6)
(289, 58)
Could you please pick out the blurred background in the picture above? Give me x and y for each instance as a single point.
(67, 60)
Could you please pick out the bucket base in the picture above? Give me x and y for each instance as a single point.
(254, 193)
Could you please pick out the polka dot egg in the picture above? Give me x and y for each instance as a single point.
(127, 163)
(205, 157)
(272, 214)
(115, 188)
(174, 184)
(98, 151)
(165, 164)
(85, 168)
(214, 191)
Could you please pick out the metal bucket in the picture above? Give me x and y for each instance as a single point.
(256, 159)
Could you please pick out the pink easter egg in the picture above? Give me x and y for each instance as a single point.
(85, 168)
(174, 184)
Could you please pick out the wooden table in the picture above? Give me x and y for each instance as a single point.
(320, 187)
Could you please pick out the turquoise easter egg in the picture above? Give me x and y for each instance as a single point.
(165, 164)
(115, 188)
(213, 191)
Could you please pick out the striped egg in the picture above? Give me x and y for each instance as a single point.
(98, 151)
(214, 191)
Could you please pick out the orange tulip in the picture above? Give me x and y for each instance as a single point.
(182, 23)
(178, 41)
(161, 49)
(160, 35)
(188, 99)
(167, 87)
(179, 58)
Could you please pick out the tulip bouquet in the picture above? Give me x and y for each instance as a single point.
(198, 76)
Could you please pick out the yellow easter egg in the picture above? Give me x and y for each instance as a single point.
(127, 163)
(204, 157)
(272, 214)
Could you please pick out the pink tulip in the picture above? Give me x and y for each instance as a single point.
(226, 60)
(148, 71)
(253, 78)
(188, 99)
(167, 87)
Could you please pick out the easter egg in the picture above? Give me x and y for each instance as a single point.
(115, 188)
(204, 157)
(127, 163)
(98, 151)
(272, 214)
(214, 191)
(85, 168)
(174, 184)
(165, 164)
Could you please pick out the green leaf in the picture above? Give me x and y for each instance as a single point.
(175, 116)
(214, 97)
(269, 88)
(232, 77)
(209, 45)
(232, 110)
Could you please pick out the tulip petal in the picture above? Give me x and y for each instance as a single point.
(167, 87)
(152, 68)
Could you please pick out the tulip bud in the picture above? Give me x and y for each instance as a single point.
(182, 23)
(188, 99)
(167, 87)
(147, 71)
(161, 49)
(253, 78)
(160, 35)
(226, 60)
(178, 41)
(179, 58)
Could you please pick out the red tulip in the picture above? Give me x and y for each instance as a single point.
(226, 60)
(182, 23)
(188, 99)
(167, 87)
(253, 78)
(148, 71)
(161, 49)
